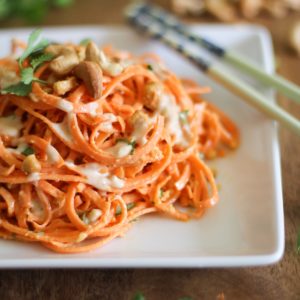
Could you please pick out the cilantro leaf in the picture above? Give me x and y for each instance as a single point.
(84, 42)
(33, 45)
(37, 61)
(19, 89)
(27, 75)
(28, 151)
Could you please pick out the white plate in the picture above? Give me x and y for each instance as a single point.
(245, 228)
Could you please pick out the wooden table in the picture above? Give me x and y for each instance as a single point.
(281, 281)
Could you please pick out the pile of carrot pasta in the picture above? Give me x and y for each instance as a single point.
(92, 139)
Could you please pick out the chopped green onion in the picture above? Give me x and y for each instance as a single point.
(127, 141)
(28, 151)
(130, 205)
(118, 210)
(183, 116)
(149, 67)
(161, 193)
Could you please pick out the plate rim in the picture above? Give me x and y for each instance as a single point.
(176, 262)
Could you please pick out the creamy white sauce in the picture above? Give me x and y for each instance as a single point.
(120, 149)
(139, 132)
(10, 125)
(34, 177)
(20, 148)
(37, 209)
(108, 66)
(170, 110)
(108, 119)
(52, 154)
(91, 108)
(102, 181)
(65, 105)
(63, 129)
(92, 216)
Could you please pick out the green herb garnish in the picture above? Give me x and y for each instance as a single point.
(119, 209)
(28, 151)
(34, 47)
(132, 144)
(84, 42)
(161, 193)
(40, 59)
(149, 67)
(185, 298)
(139, 296)
(183, 116)
(130, 205)
(19, 89)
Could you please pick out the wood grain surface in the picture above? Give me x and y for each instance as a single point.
(280, 281)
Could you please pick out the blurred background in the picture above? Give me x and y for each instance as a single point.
(282, 17)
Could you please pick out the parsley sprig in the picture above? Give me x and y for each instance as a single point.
(34, 53)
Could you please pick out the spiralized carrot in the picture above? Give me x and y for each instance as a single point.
(76, 171)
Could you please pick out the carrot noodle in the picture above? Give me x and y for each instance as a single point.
(138, 149)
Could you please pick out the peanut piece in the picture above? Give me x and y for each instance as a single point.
(151, 94)
(92, 53)
(63, 86)
(65, 62)
(31, 164)
(91, 74)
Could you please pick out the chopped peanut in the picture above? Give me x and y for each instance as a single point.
(65, 62)
(63, 86)
(151, 95)
(92, 53)
(31, 164)
(138, 118)
(91, 74)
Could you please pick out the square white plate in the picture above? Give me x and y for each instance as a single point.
(245, 228)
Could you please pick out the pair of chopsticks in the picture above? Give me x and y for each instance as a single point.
(165, 27)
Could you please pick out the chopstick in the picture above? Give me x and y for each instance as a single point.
(288, 88)
(179, 42)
